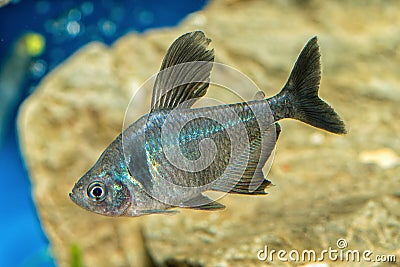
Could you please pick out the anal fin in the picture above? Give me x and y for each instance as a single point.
(201, 202)
(248, 185)
(252, 180)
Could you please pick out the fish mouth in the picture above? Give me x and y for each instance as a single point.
(72, 197)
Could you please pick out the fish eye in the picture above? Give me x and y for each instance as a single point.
(97, 191)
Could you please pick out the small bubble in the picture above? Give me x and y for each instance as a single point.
(146, 17)
(38, 68)
(55, 26)
(42, 7)
(73, 28)
(87, 8)
(74, 15)
(107, 27)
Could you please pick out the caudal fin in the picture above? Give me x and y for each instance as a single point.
(301, 90)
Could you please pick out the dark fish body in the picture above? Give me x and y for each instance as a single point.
(170, 156)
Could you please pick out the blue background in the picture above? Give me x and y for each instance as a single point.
(23, 242)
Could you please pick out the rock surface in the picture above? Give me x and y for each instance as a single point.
(326, 186)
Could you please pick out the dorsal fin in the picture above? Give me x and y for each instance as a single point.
(178, 82)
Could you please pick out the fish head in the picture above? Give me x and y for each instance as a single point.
(103, 192)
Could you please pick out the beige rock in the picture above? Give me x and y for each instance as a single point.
(323, 192)
(383, 157)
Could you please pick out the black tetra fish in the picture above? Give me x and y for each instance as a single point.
(135, 176)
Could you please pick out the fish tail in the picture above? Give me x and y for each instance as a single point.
(299, 97)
